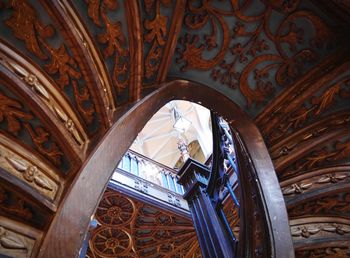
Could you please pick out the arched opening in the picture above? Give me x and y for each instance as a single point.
(72, 219)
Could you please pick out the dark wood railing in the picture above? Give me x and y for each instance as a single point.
(232, 178)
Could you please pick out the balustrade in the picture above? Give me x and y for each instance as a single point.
(151, 171)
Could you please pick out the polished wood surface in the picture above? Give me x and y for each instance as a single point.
(76, 73)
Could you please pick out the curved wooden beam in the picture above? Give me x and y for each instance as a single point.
(67, 230)
(290, 99)
(133, 17)
(313, 180)
(338, 246)
(175, 29)
(325, 200)
(290, 149)
(52, 123)
(81, 45)
(45, 91)
(310, 232)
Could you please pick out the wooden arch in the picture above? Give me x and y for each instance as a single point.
(66, 233)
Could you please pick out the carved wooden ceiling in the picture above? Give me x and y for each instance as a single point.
(70, 69)
(130, 228)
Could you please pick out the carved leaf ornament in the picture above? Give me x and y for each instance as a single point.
(242, 57)
(30, 173)
(27, 26)
(10, 241)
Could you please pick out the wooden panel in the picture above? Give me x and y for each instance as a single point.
(18, 240)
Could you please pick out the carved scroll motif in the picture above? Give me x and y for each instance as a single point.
(15, 207)
(12, 111)
(156, 36)
(42, 91)
(311, 108)
(337, 152)
(250, 55)
(129, 228)
(114, 38)
(336, 204)
(26, 26)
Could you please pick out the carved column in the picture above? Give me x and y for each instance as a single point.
(211, 234)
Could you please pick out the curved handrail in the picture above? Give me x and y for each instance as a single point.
(66, 232)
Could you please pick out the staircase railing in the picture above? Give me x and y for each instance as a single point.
(151, 171)
(232, 178)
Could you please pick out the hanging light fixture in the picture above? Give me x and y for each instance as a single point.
(181, 124)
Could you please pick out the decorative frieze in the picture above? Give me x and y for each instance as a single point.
(52, 99)
(17, 240)
(23, 165)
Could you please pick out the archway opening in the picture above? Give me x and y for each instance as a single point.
(144, 192)
(101, 164)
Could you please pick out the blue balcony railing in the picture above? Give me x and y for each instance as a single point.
(151, 171)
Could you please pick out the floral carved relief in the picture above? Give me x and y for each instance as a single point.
(156, 35)
(27, 171)
(17, 118)
(27, 26)
(317, 229)
(17, 239)
(21, 163)
(54, 101)
(335, 204)
(304, 109)
(130, 228)
(336, 153)
(251, 55)
(112, 39)
(315, 182)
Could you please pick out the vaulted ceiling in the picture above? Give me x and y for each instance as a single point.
(69, 70)
(159, 140)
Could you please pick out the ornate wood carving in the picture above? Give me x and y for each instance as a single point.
(18, 240)
(156, 35)
(319, 227)
(129, 228)
(335, 153)
(23, 165)
(42, 87)
(86, 55)
(309, 135)
(288, 154)
(314, 180)
(257, 46)
(324, 252)
(115, 210)
(298, 105)
(241, 56)
(112, 40)
(28, 27)
(174, 31)
(325, 205)
(17, 118)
